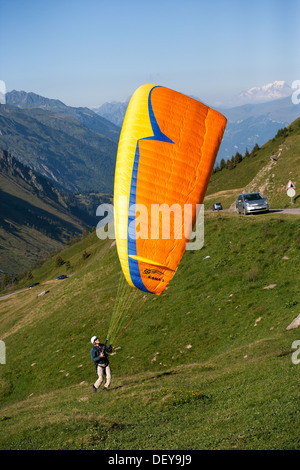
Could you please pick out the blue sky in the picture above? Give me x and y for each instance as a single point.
(87, 52)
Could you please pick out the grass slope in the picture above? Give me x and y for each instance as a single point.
(207, 365)
(259, 173)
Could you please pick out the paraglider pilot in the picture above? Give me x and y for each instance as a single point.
(99, 357)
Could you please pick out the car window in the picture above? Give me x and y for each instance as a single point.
(252, 197)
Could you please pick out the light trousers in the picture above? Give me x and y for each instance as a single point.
(100, 373)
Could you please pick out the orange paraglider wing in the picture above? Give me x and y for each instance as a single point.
(167, 149)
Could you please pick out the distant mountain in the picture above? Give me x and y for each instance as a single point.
(247, 124)
(255, 123)
(113, 111)
(58, 146)
(35, 218)
(272, 91)
(85, 116)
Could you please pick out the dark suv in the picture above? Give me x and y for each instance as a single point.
(34, 284)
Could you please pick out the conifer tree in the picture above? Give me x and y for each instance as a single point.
(222, 164)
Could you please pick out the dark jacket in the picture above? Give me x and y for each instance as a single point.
(96, 352)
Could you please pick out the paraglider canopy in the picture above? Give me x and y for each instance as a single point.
(166, 153)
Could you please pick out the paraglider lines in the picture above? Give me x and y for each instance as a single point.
(123, 312)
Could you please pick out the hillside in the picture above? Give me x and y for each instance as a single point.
(35, 217)
(208, 365)
(71, 155)
(260, 172)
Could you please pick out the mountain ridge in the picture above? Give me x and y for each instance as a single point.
(248, 124)
(73, 156)
(35, 218)
(271, 91)
(84, 115)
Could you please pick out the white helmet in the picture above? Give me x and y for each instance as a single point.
(93, 339)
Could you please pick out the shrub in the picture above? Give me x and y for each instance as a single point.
(85, 254)
(59, 261)
(7, 280)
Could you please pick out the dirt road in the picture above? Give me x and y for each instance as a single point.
(295, 211)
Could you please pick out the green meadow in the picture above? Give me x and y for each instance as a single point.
(207, 365)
